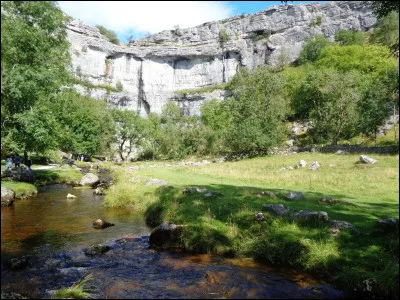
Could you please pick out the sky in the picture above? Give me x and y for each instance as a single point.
(136, 19)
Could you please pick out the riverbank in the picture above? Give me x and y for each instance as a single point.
(218, 204)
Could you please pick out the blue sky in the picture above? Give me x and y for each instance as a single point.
(136, 19)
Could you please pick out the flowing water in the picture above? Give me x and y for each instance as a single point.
(51, 232)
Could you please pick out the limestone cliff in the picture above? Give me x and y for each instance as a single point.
(152, 69)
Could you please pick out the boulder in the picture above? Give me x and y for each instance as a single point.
(98, 191)
(309, 215)
(166, 236)
(89, 179)
(23, 174)
(336, 226)
(367, 160)
(314, 166)
(341, 152)
(269, 194)
(18, 263)
(294, 196)
(156, 182)
(70, 196)
(259, 216)
(289, 143)
(6, 173)
(7, 196)
(302, 163)
(276, 209)
(96, 250)
(100, 224)
(387, 225)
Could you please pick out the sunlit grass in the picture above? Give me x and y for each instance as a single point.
(225, 223)
(76, 291)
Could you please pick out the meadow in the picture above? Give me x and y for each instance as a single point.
(225, 222)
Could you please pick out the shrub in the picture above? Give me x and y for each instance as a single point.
(223, 36)
(111, 35)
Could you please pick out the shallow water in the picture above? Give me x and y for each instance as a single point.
(51, 231)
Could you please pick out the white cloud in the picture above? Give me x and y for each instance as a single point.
(146, 16)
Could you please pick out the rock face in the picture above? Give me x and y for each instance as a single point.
(153, 68)
(7, 196)
(166, 236)
(89, 179)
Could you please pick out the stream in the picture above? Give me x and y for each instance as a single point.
(50, 232)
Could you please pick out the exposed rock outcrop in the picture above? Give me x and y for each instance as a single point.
(153, 68)
(166, 236)
(7, 196)
(89, 179)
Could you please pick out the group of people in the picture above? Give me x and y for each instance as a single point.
(16, 159)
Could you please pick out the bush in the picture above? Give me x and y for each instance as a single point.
(111, 35)
(312, 49)
(349, 37)
(223, 36)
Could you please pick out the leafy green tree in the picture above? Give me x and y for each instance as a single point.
(383, 8)
(349, 37)
(34, 64)
(386, 31)
(374, 108)
(257, 111)
(130, 131)
(86, 124)
(111, 35)
(329, 98)
(312, 49)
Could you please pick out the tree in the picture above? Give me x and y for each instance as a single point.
(312, 49)
(386, 31)
(329, 98)
(383, 8)
(130, 131)
(349, 37)
(34, 64)
(86, 125)
(257, 111)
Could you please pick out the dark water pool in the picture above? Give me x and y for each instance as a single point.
(51, 232)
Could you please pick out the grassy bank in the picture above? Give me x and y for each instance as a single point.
(57, 175)
(225, 224)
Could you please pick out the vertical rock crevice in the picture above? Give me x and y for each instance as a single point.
(142, 100)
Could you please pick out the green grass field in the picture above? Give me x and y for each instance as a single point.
(225, 223)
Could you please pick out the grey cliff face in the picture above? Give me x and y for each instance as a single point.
(153, 68)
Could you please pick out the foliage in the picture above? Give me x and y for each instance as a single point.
(111, 35)
(87, 126)
(329, 98)
(257, 111)
(76, 291)
(317, 21)
(383, 8)
(130, 131)
(375, 105)
(349, 37)
(312, 49)
(386, 31)
(223, 36)
(34, 60)
(119, 87)
(366, 59)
